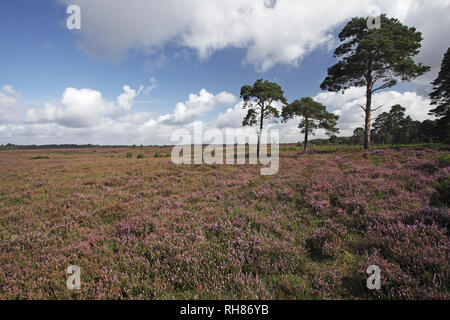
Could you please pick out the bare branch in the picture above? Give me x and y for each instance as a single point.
(378, 108)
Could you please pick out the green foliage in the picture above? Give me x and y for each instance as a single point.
(358, 136)
(440, 96)
(394, 128)
(258, 100)
(313, 116)
(383, 54)
(140, 156)
(129, 155)
(161, 155)
(371, 56)
(333, 139)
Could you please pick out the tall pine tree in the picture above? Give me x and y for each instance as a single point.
(375, 59)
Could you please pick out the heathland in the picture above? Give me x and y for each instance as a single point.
(140, 227)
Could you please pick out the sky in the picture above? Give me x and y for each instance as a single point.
(138, 70)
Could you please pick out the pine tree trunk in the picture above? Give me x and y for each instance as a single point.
(261, 124)
(306, 135)
(367, 117)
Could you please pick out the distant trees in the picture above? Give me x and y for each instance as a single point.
(368, 56)
(381, 129)
(394, 128)
(427, 132)
(358, 136)
(313, 116)
(333, 139)
(258, 100)
(397, 124)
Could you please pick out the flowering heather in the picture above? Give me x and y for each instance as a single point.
(148, 229)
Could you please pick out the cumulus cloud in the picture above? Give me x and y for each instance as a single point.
(84, 116)
(196, 106)
(9, 104)
(82, 108)
(432, 18)
(231, 118)
(347, 106)
(272, 32)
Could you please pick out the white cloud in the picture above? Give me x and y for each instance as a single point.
(82, 108)
(9, 104)
(346, 106)
(9, 90)
(153, 85)
(125, 100)
(84, 116)
(231, 118)
(196, 106)
(272, 32)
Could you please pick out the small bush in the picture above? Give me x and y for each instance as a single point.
(161, 155)
(129, 155)
(40, 157)
(140, 156)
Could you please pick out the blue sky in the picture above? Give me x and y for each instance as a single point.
(40, 59)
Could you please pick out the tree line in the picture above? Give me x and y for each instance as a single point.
(376, 59)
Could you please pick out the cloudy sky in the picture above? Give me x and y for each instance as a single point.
(140, 69)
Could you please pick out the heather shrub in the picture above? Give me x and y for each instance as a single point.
(154, 230)
(326, 241)
(442, 194)
(422, 165)
(327, 284)
(429, 216)
(397, 283)
(414, 259)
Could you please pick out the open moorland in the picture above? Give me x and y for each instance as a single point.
(145, 228)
